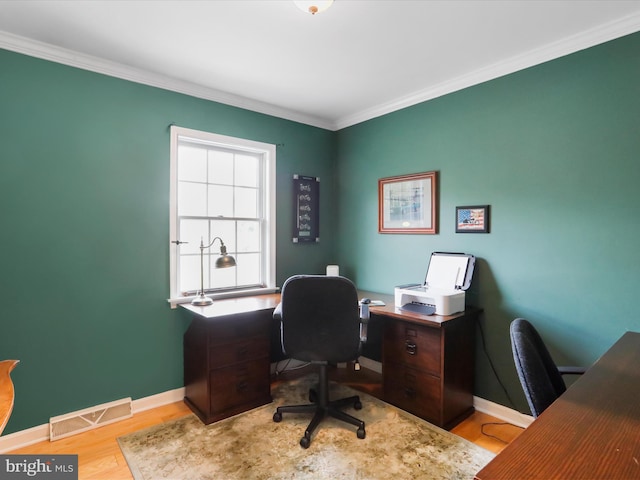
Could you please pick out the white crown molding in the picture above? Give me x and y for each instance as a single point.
(566, 46)
(589, 38)
(45, 51)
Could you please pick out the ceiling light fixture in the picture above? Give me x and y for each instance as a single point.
(313, 6)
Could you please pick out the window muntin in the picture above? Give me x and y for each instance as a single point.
(221, 187)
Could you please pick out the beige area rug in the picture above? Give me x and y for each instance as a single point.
(252, 446)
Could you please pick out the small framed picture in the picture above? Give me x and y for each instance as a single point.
(472, 219)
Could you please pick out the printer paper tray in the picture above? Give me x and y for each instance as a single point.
(419, 308)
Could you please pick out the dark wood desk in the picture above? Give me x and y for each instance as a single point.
(591, 432)
(427, 361)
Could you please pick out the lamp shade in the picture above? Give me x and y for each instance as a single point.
(225, 261)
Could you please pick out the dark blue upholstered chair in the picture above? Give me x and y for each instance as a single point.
(540, 378)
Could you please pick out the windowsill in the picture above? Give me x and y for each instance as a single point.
(174, 302)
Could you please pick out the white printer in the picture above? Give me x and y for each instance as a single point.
(448, 277)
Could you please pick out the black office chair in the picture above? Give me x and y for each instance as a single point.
(321, 324)
(539, 376)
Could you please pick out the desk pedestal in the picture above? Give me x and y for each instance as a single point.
(428, 365)
(226, 358)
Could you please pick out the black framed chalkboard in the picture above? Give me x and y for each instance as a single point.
(306, 209)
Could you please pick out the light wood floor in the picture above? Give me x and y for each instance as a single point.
(100, 458)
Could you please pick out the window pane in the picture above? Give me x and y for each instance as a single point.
(189, 273)
(248, 237)
(193, 163)
(220, 202)
(222, 277)
(192, 199)
(220, 167)
(191, 231)
(248, 268)
(246, 201)
(226, 230)
(247, 170)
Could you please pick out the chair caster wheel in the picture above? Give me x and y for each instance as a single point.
(277, 417)
(361, 433)
(305, 442)
(358, 405)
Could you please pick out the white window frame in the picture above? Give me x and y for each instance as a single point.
(267, 152)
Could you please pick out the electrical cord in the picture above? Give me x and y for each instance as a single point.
(495, 372)
(277, 371)
(286, 366)
(494, 436)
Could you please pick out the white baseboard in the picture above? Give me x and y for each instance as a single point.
(40, 433)
(371, 364)
(503, 413)
(158, 400)
(24, 438)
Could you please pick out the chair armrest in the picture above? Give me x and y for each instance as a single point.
(364, 313)
(277, 312)
(572, 370)
(364, 320)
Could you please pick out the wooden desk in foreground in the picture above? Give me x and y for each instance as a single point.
(591, 432)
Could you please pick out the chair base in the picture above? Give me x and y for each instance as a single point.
(323, 408)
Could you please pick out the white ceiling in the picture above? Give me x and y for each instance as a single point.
(358, 60)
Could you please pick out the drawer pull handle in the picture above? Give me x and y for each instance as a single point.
(409, 392)
(411, 347)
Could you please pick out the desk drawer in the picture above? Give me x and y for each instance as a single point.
(413, 345)
(241, 351)
(414, 391)
(239, 384)
(223, 332)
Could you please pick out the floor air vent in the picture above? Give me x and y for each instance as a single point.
(94, 417)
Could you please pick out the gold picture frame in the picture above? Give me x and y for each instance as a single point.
(408, 204)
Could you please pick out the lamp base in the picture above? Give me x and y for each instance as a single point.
(201, 300)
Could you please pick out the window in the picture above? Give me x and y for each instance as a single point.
(221, 187)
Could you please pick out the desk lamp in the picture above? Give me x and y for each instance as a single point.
(223, 261)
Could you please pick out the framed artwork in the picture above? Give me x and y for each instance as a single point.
(408, 204)
(472, 219)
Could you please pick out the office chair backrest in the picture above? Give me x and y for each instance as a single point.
(539, 375)
(320, 319)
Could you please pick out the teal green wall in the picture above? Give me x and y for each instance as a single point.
(84, 189)
(555, 151)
